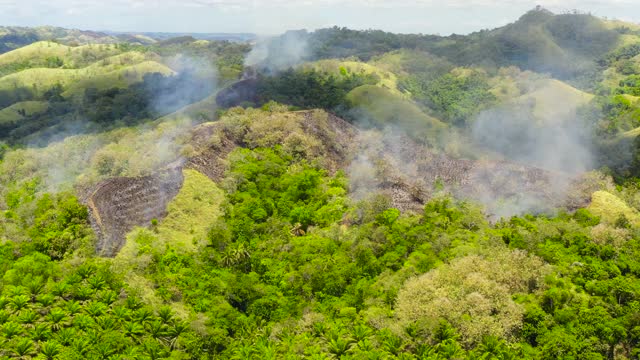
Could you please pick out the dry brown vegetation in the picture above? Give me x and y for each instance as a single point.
(474, 293)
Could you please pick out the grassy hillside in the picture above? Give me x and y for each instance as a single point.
(552, 100)
(101, 76)
(14, 37)
(104, 84)
(378, 106)
(611, 208)
(51, 54)
(122, 77)
(197, 204)
(387, 80)
(21, 110)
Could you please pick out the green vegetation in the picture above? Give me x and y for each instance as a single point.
(276, 259)
(538, 41)
(109, 84)
(189, 214)
(379, 107)
(612, 209)
(457, 97)
(294, 268)
(311, 88)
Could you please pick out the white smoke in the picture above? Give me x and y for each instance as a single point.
(273, 54)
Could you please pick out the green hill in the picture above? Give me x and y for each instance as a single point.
(565, 45)
(74, 80)
(552, 101)
(51, 54)
(378, 106)
(19, 111)
(387, 79)
(13, 37)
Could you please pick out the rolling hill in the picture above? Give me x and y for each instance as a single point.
(389, 196)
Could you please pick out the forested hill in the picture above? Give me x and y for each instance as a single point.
(334, 194)
(566, 45)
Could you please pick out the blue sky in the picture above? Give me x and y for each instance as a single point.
(274, 16)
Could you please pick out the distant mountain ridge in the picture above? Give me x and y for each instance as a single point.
(14, 37)
(160, 36)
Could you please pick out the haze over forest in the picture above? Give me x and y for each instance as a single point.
(354, 180)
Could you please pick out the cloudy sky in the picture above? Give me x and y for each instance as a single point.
(274, 16)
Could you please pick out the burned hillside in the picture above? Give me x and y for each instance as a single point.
(119, 204)
(390, 163)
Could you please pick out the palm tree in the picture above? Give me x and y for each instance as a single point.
(154, 350)
(445, 332)
(93, 335)
(66, 336)
(4, 316)
(13, 291)
(156, 329)
(287, 340)
(132, 303)
(228, 258)
(19, 302)
(50, 350)
(132, 329)
(57, 318)
(23, 348)
(83, 293)
(28, 318)
(81, 345)
(108, 297)
(96, 282)
(11, 329)
(361, 332)
(86, 270)
(165, 314)
(242, 253)
(450, 349)
(392, 344)
(73, 307)
(121, 313)
(243, 352)
(265, 350)
(339, 346)
(60, 289)
(103, 350)
(492, 347)
(45, 300)
(426, 351)
(3, 301)
(106, 322)
(35, 287)
(365, 345)
(83, 321)
(40, 332)
(319, 356)
(235, 255)
(143, 315)
(95, 308)
(131, 352)
(405, 356)
(174, 333)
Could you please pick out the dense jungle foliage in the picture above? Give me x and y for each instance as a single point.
(295, 269)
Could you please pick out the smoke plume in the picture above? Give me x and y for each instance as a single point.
(273, 54)
(560, 145)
